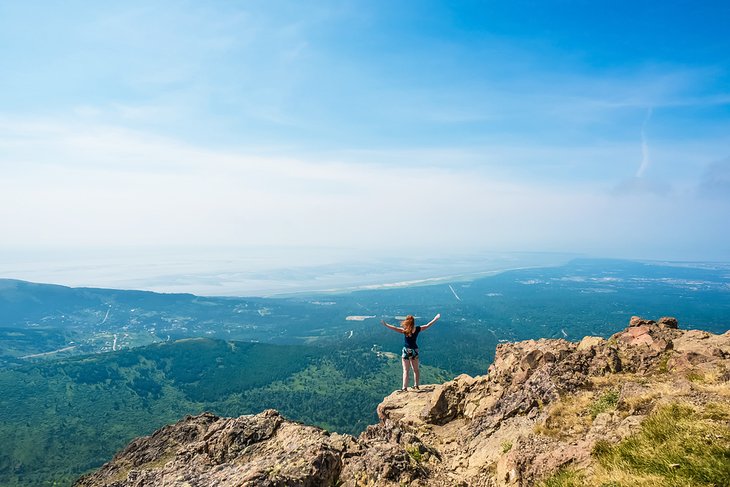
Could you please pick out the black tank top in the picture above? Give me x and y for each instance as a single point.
(411, 340)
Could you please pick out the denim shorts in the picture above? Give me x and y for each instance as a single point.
(409, 353)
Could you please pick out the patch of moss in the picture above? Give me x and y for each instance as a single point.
(274, 471)
(415, 453)
(607, 402)
(506, 446)
(695, 377)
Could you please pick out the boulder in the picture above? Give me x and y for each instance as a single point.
(638, 321)
(446, 402)
(668, 322)
(641, 345)
(407, 407)
(589, 342)
(263, 450)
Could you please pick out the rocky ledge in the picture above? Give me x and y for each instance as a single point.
(543, 406)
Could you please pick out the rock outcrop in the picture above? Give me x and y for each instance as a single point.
(205, 450)
(543, 404)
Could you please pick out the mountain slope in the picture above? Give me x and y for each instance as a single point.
(62, 418)
(649, 406)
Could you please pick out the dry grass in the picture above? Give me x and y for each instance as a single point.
(573, 415)
(679, 443)
(611, 380)
(567, 417)
(573, 478)
(644, 403)
(720, 390)
(677, 446)
(641, 402)
(714, 383)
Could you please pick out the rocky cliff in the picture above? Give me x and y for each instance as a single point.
(547, 411)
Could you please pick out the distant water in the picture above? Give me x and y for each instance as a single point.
(256, 271)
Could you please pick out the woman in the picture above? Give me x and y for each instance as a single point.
(410, 350)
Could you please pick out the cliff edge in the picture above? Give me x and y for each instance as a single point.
(648, 406)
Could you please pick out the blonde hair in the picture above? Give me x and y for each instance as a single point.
(408, 325)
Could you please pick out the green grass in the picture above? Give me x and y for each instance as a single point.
(607, 402)
(663, 366)
(564, 478)
(678, 444)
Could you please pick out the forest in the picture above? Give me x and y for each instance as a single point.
(63, 415)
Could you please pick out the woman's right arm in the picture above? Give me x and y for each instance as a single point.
(394, 328)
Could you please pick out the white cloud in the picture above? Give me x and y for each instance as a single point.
(80, 185)
(644, 147)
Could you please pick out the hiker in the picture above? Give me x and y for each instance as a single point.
(410, 350)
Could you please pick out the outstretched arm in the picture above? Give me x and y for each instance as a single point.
(394, 328)
(434, 320)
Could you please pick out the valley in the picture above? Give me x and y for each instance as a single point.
(84, 371)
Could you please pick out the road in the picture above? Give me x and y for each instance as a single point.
(455, 295)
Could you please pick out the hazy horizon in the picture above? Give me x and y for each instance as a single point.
(361, 129)
(264, 272)
(259, 272)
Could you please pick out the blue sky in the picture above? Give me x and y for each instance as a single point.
(593, 127)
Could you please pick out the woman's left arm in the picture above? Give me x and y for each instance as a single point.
(434, 320)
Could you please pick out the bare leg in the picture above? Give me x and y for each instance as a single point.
(406, 365)
(416, 375)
